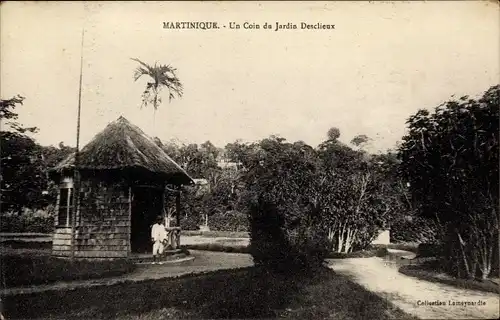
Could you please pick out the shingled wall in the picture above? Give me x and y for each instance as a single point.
(103, 228)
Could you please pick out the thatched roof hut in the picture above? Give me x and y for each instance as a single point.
(121, 146)
(124, 175)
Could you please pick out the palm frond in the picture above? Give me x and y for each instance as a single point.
(139, 72)
(144, 69)
(163, 76)
(145, 65)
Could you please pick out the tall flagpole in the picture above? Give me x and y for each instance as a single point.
(76, 193)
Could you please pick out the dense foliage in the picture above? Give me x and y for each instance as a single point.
(414, 229)
(28, 222)
(450, 157)
(214, 201)
(361, 194)
(286, 229)
(23, 178)
(303, 202)
(24, 163)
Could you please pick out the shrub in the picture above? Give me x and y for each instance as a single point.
(228, 221)
(26, 223)
(276, 244)
(429, 250)
(233, 221)
(381, 252)
(190, 222)
(21, 244)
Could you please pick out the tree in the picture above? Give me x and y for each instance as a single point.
(172, 149)
(50, 157)
(23, 175)
(356, 192)
(360, 140)
(281, 198)
(333, 134)
(53, 155)
(240, 153)
(200, 161)
(211, 151)
(162, 76)
(222, 192)
(450, 158)
(7, 112)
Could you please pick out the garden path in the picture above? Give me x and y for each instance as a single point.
(410, 294)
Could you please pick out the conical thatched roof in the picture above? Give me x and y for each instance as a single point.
(122, 145)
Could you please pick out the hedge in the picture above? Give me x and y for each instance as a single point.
(231, 221)
(26, 223)
(19, 244)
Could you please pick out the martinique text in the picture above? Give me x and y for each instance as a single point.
(203, 25)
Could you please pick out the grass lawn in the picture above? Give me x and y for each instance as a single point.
(216, 234)
(35, 267)
(234, 245)
(245, 293)
(219, 247)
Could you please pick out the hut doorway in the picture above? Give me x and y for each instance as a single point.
(147, 204)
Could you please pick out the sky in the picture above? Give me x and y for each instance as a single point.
(381, 63)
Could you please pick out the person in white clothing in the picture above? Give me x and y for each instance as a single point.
(158, 237)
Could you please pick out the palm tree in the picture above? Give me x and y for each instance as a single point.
(162, 76)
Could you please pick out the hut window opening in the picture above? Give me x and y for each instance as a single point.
(65, 213)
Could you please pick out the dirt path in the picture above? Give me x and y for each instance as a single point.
(413, 295)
